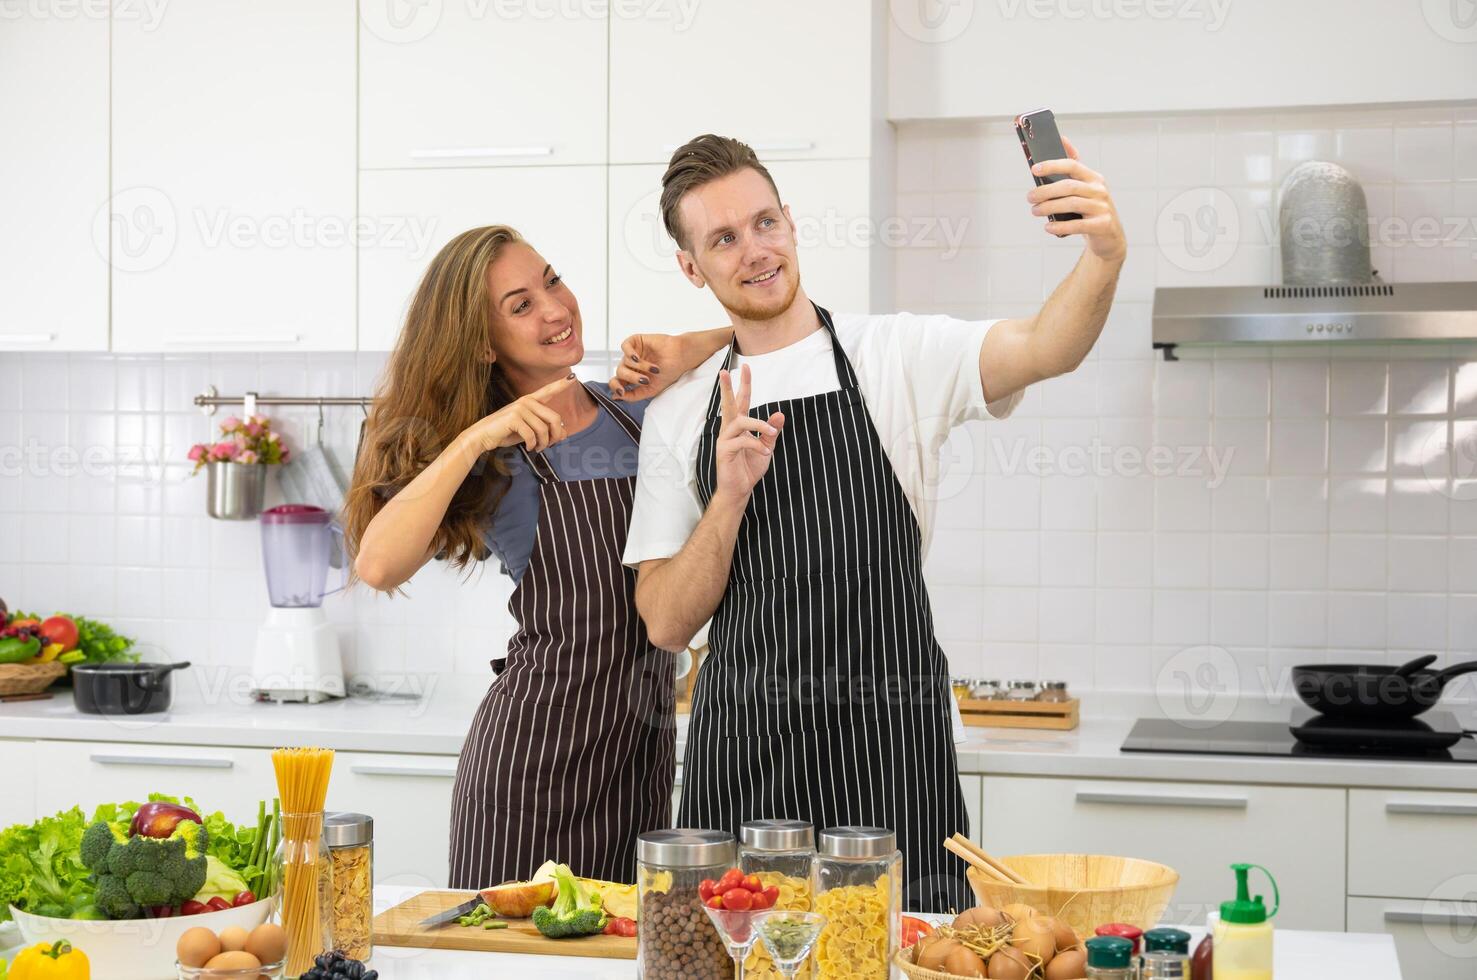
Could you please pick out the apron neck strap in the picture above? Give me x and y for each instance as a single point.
(542, 469)
(844, 372)
(540, 464)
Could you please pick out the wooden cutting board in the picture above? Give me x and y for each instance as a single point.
(400, 926)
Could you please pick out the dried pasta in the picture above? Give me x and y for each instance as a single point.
(854, 944)
(794, 897)
(302, 782)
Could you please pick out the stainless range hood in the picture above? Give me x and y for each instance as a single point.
(1314, 314)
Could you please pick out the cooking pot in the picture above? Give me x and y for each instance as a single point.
(1374, 692)
(123, 688)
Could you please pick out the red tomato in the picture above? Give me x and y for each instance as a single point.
(753, 884)
(738, 899)
(218, 904)
(193, 907)
(759, 901)
(627, 927)
(716, 902)
(771, 895)
(705, 888)
(731, 877)
(914, 930)
(243, 898)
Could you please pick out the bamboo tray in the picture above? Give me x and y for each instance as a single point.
(400, 926)
(1056, 715)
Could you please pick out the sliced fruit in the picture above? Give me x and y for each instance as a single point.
(518, 899)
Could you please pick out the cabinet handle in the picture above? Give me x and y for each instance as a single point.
(1431, 918)
(428, 771)
(28, 338)
(161, 760)
(1156, 799)
(473, 152)
(1437, 809)
(191, 340)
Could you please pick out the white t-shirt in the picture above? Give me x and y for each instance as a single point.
(919, 377)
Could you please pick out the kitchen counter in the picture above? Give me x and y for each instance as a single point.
(224, 715)
(1297, 956)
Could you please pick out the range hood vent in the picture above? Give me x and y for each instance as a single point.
(1376, 312)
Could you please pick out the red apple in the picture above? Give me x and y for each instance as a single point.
(160, 819)
(61, 629)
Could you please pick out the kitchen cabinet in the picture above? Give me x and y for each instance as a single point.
(1197, 829)
(233, 168)
(986, 59)
(409, 797)
(458, 85)
(18, 802)
(231, 780)
(54, 182)
(1432, 938)
(790, 79)
(1386, 822)
(559, 210)
(829, 201)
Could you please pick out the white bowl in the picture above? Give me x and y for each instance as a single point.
(134, 949)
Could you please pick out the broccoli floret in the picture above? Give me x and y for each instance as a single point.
(147, 871)
(575, 912)
(97, 841)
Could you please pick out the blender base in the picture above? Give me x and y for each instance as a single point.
(297, 657)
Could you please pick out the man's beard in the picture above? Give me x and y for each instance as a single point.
(761, 313)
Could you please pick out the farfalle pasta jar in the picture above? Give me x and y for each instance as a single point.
(859, 889)
(781, 854)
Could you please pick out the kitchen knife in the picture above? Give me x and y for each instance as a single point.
(452, 914)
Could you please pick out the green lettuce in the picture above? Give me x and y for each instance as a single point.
(41, 868)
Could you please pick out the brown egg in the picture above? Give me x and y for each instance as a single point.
(1069, 965)
(233, 959)
(1065, 937)
(233, 938)
(1019, 911)
(1034, 938)
(267, 942)
(981, 915)
(964, 962)
(1008, 963)
(936, 953)
(196, 946)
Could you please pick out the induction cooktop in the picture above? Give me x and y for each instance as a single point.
(1433, 737)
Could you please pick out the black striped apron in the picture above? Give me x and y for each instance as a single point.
(825, 695)
(571, 754)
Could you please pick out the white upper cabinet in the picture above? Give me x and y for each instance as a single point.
(792, 79)
(951, 60)
(559, 210)
(53, 179)
(233, 207)
(481, 83)
(829, 202)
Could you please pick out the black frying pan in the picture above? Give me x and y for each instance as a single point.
(1374, 692)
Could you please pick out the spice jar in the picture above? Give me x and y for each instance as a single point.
(1122, 929)
(779, 853)
(1109, 958)
(859, 889)
(675, 939)
(350, 840)
(1054, 691)
(961, 687)
(986, 690)
(1164, 964)
(1022, 691)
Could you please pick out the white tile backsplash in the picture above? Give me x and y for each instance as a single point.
(1346, 515)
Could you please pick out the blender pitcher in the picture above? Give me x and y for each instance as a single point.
(298, 545)
(297, 651)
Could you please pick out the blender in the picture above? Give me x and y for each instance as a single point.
(297, 651)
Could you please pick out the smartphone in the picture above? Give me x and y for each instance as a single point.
(1041, 141)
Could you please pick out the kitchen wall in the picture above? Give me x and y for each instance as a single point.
(1344, 524)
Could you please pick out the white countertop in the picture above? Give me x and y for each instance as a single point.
(1296, 956)
(211, 713)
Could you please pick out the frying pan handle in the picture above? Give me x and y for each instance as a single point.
(1455, 670)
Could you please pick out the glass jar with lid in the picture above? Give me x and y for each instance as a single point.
(781, 854)
(350, 839)
(674, 935)
(985, 690)
(859, 889)
(1022, 691)
(1054, 691)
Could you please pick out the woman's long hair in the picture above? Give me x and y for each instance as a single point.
(438, 381)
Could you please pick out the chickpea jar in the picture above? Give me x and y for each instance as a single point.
(781, 854)
(675, 940)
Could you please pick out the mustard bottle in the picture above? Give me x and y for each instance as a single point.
(1242, 947)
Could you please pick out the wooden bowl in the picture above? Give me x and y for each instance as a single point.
(16, 679)
(1084, 890)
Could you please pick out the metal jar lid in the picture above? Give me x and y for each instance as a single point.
(686, 848)
(777, 835)
(348, 829)
(858, 842)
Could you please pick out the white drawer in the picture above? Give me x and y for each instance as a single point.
(18, 802)
(1435, 940)
(231, 780)
(409, 797)
(1410, 845)
(1196, 828)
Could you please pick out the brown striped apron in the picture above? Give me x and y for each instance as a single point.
(572, 753)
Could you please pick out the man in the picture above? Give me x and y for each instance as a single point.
(793, 508)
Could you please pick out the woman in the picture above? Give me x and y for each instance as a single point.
(481, 442)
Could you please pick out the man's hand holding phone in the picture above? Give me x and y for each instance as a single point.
(1081, 190)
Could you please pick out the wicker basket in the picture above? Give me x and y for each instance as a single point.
(903, 960)
(28, 678)
(1083, 890)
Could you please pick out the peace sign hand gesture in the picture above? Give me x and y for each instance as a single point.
(745, 445)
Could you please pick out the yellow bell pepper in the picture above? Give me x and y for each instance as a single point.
(49, 653)
(53, 961)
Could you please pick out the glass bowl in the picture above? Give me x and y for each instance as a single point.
(267, 971)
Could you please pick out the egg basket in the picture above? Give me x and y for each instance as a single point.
(1083, 890)
(903, 960)
(18, 679)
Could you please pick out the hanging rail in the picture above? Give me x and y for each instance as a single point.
(210, 399)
